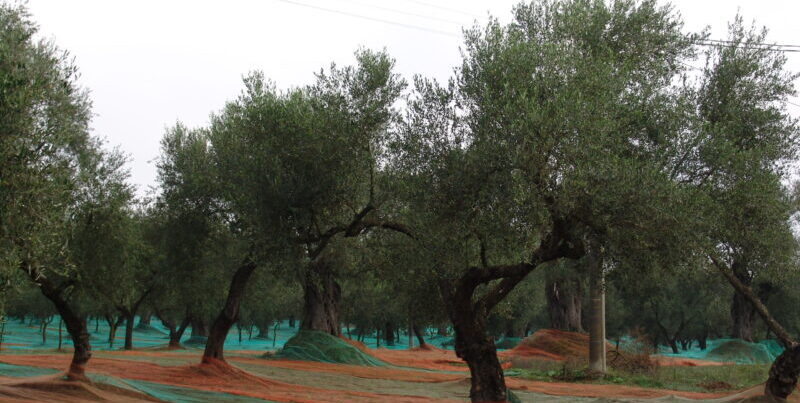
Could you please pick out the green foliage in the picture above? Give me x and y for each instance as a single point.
(44, 119)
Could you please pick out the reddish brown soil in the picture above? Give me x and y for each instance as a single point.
(685, 362)
(214, 377)
(417, 373)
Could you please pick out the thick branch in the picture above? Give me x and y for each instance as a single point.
(748, 293)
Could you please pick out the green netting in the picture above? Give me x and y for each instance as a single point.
(318, 346)
(511, 397)
(21, 371)
(741, 352)
(772, 346)
(169, 393)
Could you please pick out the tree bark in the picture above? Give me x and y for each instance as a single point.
(60, 325)
(321, 299)
(474, 346)
(199, 328)
(229, 314)
(418, 334)
(291, 321)
(564, 304)
(743, 313)
(75, 323)
(129, 318)
(389, 333)
(597, 325)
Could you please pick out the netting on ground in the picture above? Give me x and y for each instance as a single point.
(731, 350)
(22, 371)
(741, 352)
(317, 346)
(171, 393)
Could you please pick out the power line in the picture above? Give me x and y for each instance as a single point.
(438, 7)
(364, 17)
(772, 45)
(751, 46)
(394, 10)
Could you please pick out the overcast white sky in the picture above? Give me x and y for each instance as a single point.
(150, 63)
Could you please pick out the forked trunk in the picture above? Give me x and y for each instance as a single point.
(175, 335)
(229, 314)
(321, 299)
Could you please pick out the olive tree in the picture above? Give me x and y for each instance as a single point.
(548, 144)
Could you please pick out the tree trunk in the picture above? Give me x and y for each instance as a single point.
(476, 348)
(199, 328)
(597, 325)
(743, 313)
(743, 317)
(291, 321)
(673, 345)
(702, 342)
(564, 304)
(321, 299)
(389, 333)
(113, 323)
(75, 323)
(129, 318)
(418, 333)
(784, 373)
(229, 314)
(176, 335)
(441, 330)
(44, 332)
(144, 319)
(60, 325)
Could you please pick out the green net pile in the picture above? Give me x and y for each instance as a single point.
(741, 352)
(317, 346)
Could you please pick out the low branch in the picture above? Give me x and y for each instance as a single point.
(748, 293)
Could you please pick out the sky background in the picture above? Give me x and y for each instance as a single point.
(149, 64)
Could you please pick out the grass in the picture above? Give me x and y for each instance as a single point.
(693, 379)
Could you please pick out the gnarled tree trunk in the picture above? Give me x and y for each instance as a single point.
(229, 314)
(76, 326)
(564, 304)
(321, 299)
(474, 346)
(743, 313)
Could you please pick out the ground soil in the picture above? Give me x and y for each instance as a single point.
(419, 375)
